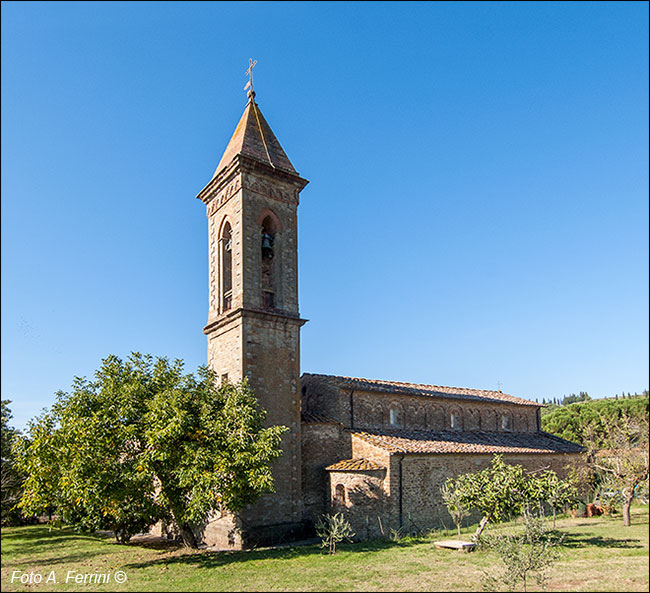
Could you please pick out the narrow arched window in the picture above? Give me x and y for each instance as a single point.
(225, 247)
(506, 424)
(454, 420)
(394, 415)
(339, 494)
(268, 239)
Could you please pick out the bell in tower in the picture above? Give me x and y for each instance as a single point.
(267, 245)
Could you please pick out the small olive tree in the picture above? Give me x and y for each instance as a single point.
(546, 488)
(453, 498)
(333, 529)
(525, 554)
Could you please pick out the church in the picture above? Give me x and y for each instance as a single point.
(376, 450)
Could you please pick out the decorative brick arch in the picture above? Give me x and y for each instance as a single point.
(489, 420)
(368, 413)
(521, 422)
(472, 419)
(224, 221)
(414, 416)
(436, 418)
(270, 243)
(225, 264)
(268, 213)
(339, 495)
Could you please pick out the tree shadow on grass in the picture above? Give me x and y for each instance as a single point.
(40, 539)
(79, 557)
(208, 559)
(572, 540)
(42, 546)
(45, 537)
(155, 543)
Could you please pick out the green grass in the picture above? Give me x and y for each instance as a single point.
(599, 554)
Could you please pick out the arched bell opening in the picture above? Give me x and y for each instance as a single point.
(269, 235)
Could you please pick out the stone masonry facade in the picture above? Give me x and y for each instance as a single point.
(376, 450)
(384, 471)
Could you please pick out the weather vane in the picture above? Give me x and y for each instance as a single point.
(249, 72)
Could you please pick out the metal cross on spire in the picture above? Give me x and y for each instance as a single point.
(249, 72)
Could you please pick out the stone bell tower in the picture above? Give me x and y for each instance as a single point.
(253, 327)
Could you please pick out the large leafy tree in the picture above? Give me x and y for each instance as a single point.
(454, 499)
(620, 453)
(84, 459)
(145, 441)
(615, 434)
(11, 477)
(207, 447)
(579, 422)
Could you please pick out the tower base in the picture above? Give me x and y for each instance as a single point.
(228, 533)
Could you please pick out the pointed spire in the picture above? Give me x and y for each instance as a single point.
(253, 137)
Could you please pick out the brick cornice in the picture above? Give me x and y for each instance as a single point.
(230, 317)
(242, 164)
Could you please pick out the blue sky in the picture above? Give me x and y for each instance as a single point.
(477, 213)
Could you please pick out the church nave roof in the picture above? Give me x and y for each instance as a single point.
(450, 442)
(423, 390)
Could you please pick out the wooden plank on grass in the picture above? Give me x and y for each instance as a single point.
(455, 544)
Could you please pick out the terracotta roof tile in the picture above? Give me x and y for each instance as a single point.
(354, 465)
(448, 442)
(424, 390)
(311, 418)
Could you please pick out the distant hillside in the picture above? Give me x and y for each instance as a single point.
(571, 422)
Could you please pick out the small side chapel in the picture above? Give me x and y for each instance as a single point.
(376, 450)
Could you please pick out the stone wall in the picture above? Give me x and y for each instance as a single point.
(423, 475)
(364, 501)
(322, 444)
(322, 397)
(226, 351)
(223, 531)
(272, 345)
(407, 495)
(366, 410)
